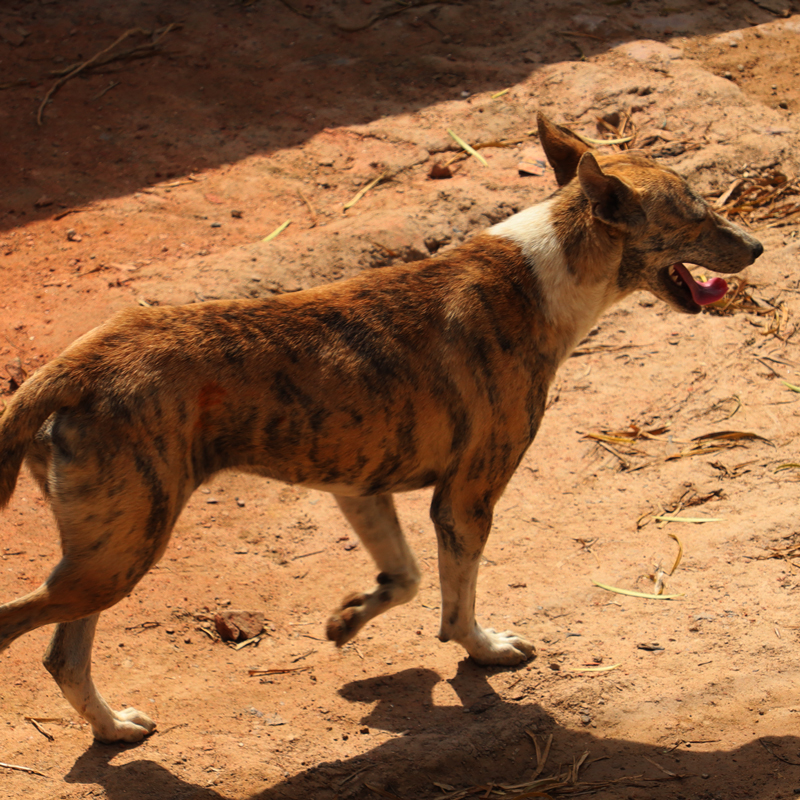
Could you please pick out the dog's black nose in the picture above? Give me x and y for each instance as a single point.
(757, 250)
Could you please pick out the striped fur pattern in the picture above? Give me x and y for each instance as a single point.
(431, 374)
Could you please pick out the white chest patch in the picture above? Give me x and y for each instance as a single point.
(572, 305)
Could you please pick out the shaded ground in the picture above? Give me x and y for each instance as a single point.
(155, 179)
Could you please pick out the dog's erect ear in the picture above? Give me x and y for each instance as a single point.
(562, 148)
(612, 200)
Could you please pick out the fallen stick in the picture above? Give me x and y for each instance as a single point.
(35, 723)
(23, 769)
(62, 80)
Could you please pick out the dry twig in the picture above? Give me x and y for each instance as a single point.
(17, 768)
(96, 59)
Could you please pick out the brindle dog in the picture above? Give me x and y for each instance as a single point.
(427, 374)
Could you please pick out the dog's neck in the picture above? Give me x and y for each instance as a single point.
(574, 271)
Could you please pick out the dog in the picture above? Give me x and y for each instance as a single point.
(428, 374)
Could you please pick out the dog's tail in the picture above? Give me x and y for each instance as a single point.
(48, 390)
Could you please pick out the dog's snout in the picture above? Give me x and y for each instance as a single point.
(757, 249)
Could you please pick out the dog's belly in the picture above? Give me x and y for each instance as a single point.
(372, 456)
(357, 487)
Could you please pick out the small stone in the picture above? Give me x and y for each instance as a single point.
(237, 626)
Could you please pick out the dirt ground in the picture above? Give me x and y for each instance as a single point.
(156, 177)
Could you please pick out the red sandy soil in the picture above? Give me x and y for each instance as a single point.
(155, 178)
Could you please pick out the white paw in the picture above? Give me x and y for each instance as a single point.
(128, 725)
(506, 648)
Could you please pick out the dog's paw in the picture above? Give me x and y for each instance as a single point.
(348, 619)
(128, 725)
(506, 648)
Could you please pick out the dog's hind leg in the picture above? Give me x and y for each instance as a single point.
(115, 517)
(69, 660)
(375, 521)
(73, 595)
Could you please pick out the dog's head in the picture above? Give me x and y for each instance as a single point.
(654, 215)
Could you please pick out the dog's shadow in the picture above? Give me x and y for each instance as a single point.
(476, 740)
(405, 700)
(137, 780)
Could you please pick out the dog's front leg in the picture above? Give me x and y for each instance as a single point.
(69, 661)
(462, 529)
(375, 521)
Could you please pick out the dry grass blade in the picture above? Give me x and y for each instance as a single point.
(768, 747)
(276, 671)
(785, 553)
(791, 386)
(599, 142)
(593, 669)
(280, 229)
(720, 407)
(565, 782)
(541, 755)
(632, 593)
(732, 436)
(679, 557)
(471, 150)
(761, 197)
(695, 520)
(618, 438)
(740, 299)
(720, 440)
(310, 208)
(632, 434)
(664, 770)
(364, 189)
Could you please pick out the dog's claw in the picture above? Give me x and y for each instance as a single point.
(128, 725)
(343, 625)
(506, 648)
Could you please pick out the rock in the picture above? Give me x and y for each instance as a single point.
(237, 626)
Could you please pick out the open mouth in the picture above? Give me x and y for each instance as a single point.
(701, 293)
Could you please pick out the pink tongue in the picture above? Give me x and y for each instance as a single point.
(703, 293)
